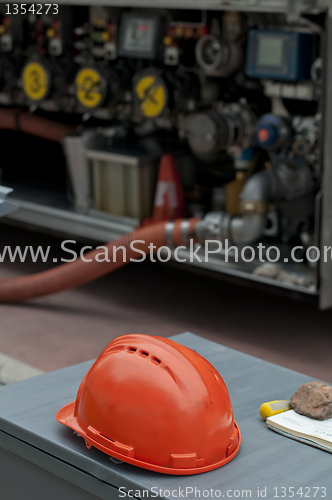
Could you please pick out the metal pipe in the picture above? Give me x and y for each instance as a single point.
(290, 179)
(22, 121)
(247, 228)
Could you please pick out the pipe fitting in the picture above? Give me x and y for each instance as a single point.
(222, 226)
(214, 226)
(290, 179)
(247, 229)
(181, 231)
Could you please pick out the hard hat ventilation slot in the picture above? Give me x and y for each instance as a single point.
(169, 371)
(155, 361)
(131, 350)
(143, 354)
(114, 351)
(108, 439)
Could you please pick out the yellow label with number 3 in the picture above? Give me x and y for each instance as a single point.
(89, 87)
(36, 82)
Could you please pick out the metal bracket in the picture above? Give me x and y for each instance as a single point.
(254, 207)
(79, 171)
(294, 10)
(297, 7)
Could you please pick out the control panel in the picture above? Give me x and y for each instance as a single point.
(236, 95)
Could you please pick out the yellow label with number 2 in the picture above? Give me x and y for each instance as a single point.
(88, 87)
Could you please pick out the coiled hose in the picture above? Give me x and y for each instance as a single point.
(79, 272)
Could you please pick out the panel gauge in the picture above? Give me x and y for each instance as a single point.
(139, 35)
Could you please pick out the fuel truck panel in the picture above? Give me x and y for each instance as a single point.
(239, 92)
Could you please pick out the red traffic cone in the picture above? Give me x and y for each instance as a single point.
(169, 200)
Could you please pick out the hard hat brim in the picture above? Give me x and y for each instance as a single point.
(66, 416)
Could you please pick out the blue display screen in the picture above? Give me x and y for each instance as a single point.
(280, 55)
(270, 51)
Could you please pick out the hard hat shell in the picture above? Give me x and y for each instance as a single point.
(156, 404)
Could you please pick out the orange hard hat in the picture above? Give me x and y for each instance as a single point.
(151, 402)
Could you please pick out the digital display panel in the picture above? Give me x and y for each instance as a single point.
(270, 51)
(280, 55)
(139, 36)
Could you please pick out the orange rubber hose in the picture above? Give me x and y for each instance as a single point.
(34, 125)
(79, 272)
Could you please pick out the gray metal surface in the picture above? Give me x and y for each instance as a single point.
(325, 268)
(54, 480)
(94, 225)
(266, 459)
(245, 270)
